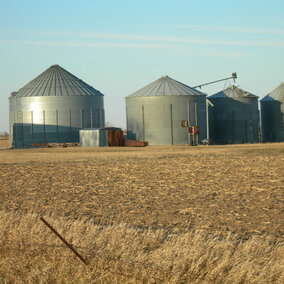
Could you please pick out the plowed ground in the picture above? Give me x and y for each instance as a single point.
(237, 188)
(4, 142)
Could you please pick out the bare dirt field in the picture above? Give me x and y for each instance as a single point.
(4, 142)
(174, 214)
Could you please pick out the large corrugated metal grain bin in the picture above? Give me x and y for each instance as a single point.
(155, 112)
(234, 117)
(272, 115)
(52, 108)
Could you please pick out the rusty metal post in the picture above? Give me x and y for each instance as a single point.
(63, 240)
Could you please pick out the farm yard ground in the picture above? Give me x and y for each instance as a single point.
(233, 193)
(4, 142)
(230, 188)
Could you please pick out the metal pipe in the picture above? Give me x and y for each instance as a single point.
(207, 120)
(189, 124)
(15, 129)
(233, 127)
(143, 123)
(172, 129)
(44, 126)
(57, 126)
(99, 120)
(70, 124)
(196, 122)
(103, 118)
(23, 136)
(32, 126)
(64, 241)
(234, 76)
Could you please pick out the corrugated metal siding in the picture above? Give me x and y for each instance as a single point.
(157, 120)
(272, 115)
(36, 120)
(93, 138)
(233, 120)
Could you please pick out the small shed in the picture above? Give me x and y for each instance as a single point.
(101, 137)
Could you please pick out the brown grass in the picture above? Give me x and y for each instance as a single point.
(4, 142)
(143, 215)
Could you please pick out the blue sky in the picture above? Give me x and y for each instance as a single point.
(119, 46)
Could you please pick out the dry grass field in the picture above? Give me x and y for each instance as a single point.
(4, 142)
(206, 214)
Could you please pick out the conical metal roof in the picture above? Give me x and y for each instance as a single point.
(276, 95)
(166, 86)
(233, 92)
(56, 81)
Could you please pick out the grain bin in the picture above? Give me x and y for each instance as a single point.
(272, 115)
(52, 108)
(155, 113)
(234, 118)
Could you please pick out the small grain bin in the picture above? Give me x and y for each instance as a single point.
(272, 115)
(155, 113)
(52, 108)
(234, 117)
